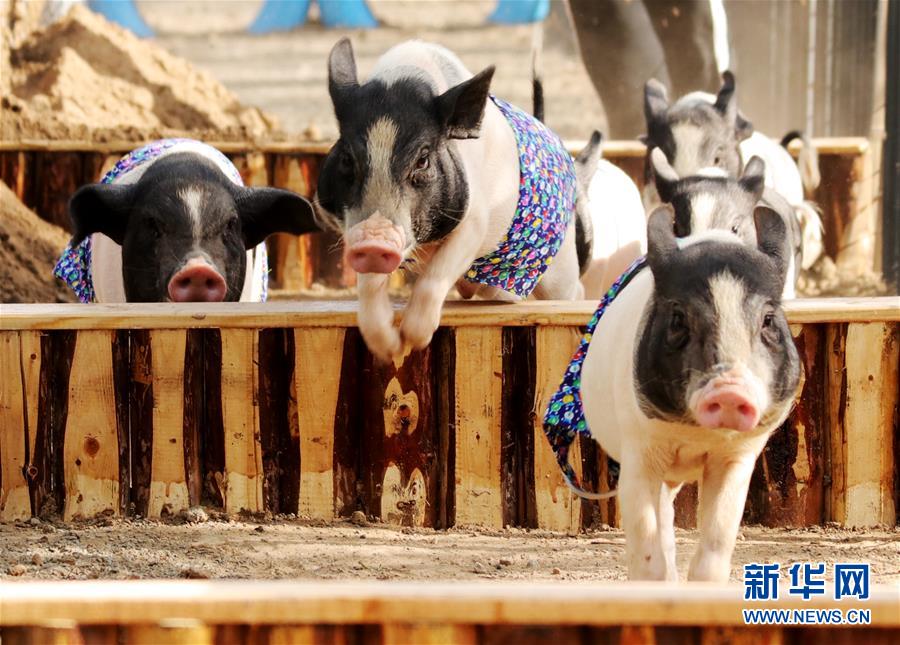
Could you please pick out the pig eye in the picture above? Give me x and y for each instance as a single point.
(345, 162)
(734, 229)
(768, 321)
(678, 333)
(423, 162)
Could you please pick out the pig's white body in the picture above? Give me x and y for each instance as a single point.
(619, 228)
(106, 255)
(656, 456)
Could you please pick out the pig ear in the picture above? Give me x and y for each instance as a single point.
(753, 179)
(100, 208)
(461, 108)
(666, 177)
(661, 244)
(725, 100)
(264, 211)
(587, 160)
(771, 238)
(341, 69)
(656, 101)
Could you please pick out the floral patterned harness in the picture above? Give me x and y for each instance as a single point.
(545, 208)
(564, 418)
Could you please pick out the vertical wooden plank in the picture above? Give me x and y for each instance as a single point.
(517, 432)
(15, 503)
(318, 355)
(58, 175)
(862, 447)
(309, 635)
(428, 634)
(558, 509)
(399, 439)
(91, 453)
(139, 415)
(787, 485)
(478, 379)
(168, 481)
(292, 266)
(240, 416)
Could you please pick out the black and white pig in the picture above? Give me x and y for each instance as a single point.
(718, 202)
(172, 221)
(432, 171)
(702, 132)
(688, 372)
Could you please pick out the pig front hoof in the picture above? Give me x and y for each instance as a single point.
(416, 333)
(385, 345)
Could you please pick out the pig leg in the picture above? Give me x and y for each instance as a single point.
(376, 316)
(561, 280)
(640, 493)
(666, 519)
(423, 313)
(723, 492)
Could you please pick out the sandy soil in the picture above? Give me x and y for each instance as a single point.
(292, 549)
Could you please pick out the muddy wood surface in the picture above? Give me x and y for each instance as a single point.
(225, 548)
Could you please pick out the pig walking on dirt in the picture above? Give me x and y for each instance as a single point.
(686, 369)
(172, 221)
(464, 188)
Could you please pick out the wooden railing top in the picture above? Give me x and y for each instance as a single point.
(619, 148)
(365, 602)
(337, 313)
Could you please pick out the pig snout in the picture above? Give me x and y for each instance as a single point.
(726, 402)
(197, 281)
(374, 245)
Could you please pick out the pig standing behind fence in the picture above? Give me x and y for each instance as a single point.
(173, 221)
(685, 371)
(700, 132)
(466, 189)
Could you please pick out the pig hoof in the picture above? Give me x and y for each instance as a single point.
(386, 346)
(416, 336)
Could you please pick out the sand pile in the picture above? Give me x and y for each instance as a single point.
(29, 248)
(85, 78)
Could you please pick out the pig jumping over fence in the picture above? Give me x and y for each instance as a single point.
(172, 221)
(685, 371)
(701, 132)
(432, 171)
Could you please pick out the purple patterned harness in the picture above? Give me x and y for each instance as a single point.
(545, 208)
(564, 418)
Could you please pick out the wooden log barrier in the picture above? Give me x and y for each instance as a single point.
(482, 613)
(279, 408)
(44, 174)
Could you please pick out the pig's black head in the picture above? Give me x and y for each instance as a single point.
(184, 227)
(703, 203)
(699, 131)
(715, 318)
(394, 156)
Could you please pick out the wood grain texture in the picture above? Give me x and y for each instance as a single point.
(317, 373)
(863, 462)
(557, 507)
(330, 313)
(168, 482)
(240, 417)
(428, 634)
(15, 503)
(478, 395)
(91, 452)
(284, 602)
(171, 632)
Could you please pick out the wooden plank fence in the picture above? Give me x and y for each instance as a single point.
(44, 174)
(279, 408)
(277, 612)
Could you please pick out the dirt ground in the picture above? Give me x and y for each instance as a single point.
(293, 549)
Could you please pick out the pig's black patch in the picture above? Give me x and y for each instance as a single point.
(680, 333)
